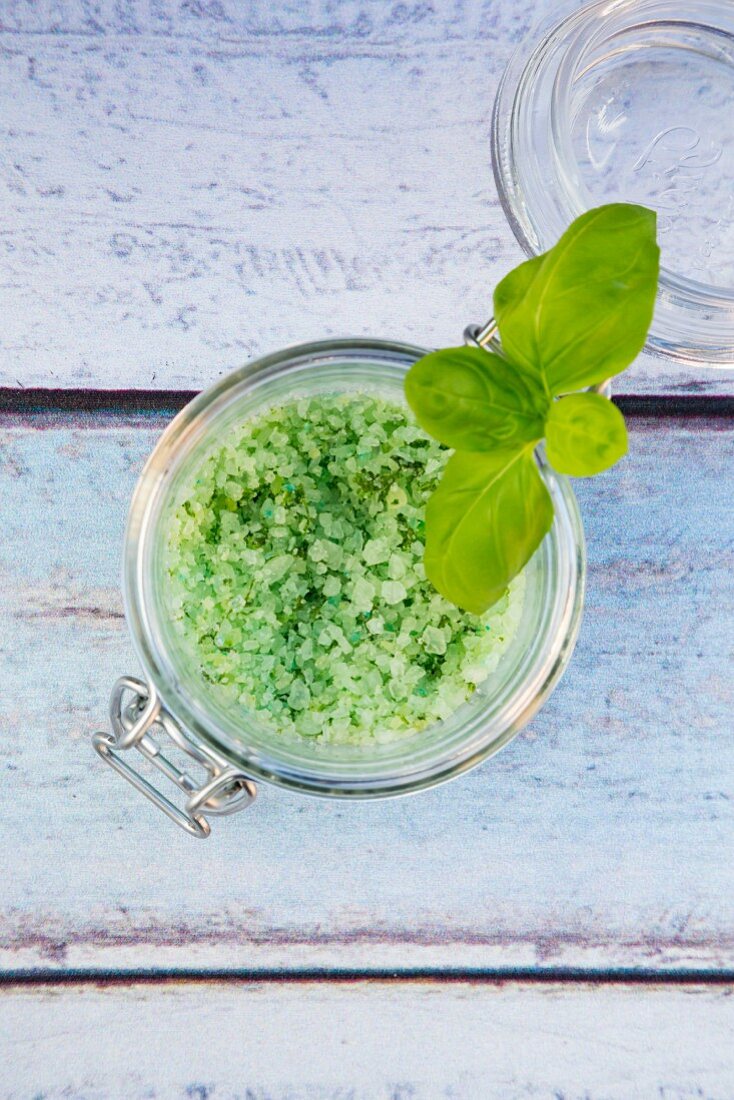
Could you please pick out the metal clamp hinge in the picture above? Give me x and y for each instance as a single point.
(487, 336)
(138, 719)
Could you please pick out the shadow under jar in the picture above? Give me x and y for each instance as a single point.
(235, 746)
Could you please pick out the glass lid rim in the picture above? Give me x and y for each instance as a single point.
(694, 319)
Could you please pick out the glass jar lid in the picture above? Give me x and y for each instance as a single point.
(632, 101)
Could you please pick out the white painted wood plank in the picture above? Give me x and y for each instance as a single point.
(185, 186)
(368, 1041)
(601, 837)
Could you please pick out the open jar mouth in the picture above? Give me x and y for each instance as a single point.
(629, 101)
(527, 670)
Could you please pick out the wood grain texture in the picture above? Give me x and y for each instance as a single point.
(368, 1041)
(601, 837)
(184, 186)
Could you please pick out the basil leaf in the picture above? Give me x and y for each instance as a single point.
(585, 434)
(509, 295)
(484, 522)
(473, 400)
(580, 313)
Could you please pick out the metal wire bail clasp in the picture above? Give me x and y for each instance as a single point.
(487, 336)
(136, 713)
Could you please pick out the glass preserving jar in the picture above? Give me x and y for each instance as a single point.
(235, 749)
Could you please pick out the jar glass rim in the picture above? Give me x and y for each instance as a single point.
(537, 174)
(284, 764)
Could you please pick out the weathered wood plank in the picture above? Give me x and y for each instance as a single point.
(186, 186)
(365, 1041)
(601, 837)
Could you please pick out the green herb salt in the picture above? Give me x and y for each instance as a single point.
(295, 575)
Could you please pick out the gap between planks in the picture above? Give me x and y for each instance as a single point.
(571, 976)
(31, 404)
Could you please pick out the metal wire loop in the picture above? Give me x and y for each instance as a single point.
(138, 720)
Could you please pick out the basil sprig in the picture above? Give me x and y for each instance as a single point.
(567, 319)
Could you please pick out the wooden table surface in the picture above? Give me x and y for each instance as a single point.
(183, 186)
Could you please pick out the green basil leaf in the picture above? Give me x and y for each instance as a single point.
(484, 522)
(474, 400)
(585, 434)
(580, 313)
(509, 294)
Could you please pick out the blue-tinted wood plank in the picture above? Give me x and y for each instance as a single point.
(600, 837)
